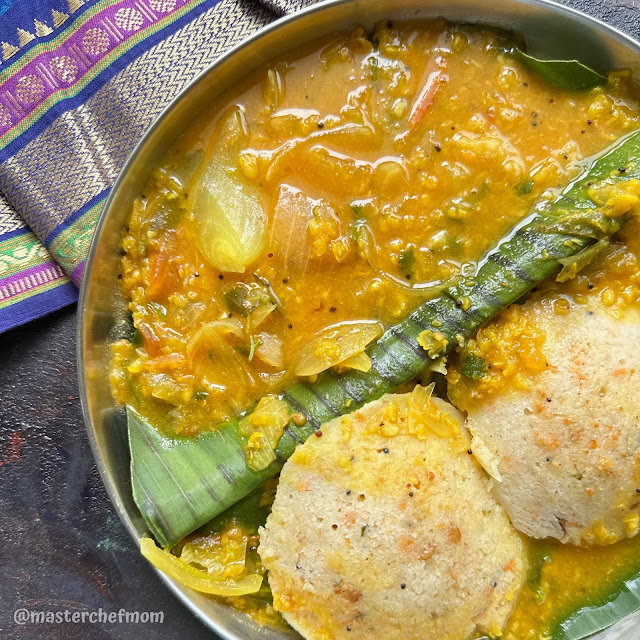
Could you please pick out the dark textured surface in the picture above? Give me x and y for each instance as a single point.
(63, 546)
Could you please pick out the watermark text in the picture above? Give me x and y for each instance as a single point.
(48, 616)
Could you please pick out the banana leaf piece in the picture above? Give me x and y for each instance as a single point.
(181, 484)
(571, 75)
(589, 620)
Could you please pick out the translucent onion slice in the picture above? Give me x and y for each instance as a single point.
(356, 135)
(197, 579)
(222, 556)
(212, 330)
(164, 387)
(424, 417)
(335, 344)
(270, 351)
(289, 229)
(230, 221)
(259, 315)
(263, 429)
(213, 339)
(359, 362)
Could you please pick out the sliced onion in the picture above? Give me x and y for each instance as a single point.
(212, 330)
(215, 337)
(259, 315)
(270, 350)
(230, 221)
(196, 579)
(425, 418)
(273, 90)
(221, 556)
(164, 363)
(360, 362)
(164, 387)
(347, 134)
(191, 313)
(289, 229)
(335, 344)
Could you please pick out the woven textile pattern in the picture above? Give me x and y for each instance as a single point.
(78, 87)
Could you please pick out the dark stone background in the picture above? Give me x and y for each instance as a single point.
(62, 545)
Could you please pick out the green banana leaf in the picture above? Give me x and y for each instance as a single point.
(587, 621)
(571, 75)
(584, 623)
(175, 508)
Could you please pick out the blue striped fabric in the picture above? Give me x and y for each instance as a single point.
(80, 81)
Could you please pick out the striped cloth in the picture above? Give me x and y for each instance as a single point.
(80, 81)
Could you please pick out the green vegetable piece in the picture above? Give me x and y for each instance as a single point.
(360, 221)
(573, 264)
(407, 261)
(566, 74)
(136, 339)
(373, 68)
(357, 229)
(179, 485)
(359, 211)
(474, 367)
(250, 349)
(236, 300)
(482, 191)
(539, 554)
(524, 187)
(167, 214)
(614, 607)
(158, 309)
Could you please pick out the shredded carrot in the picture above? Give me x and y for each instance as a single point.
(425, 100)
(163, 363)
(511, 565)
(160, 282)
(152, 342)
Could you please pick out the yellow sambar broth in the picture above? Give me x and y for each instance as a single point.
(392, 211)
(385, 164)
(565, 578)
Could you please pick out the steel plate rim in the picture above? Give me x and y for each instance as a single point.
(548, 5)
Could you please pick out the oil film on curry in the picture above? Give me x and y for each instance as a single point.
(382, 369)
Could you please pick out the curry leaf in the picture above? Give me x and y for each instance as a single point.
(566, 74)
(136, 339)
(236, 299)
